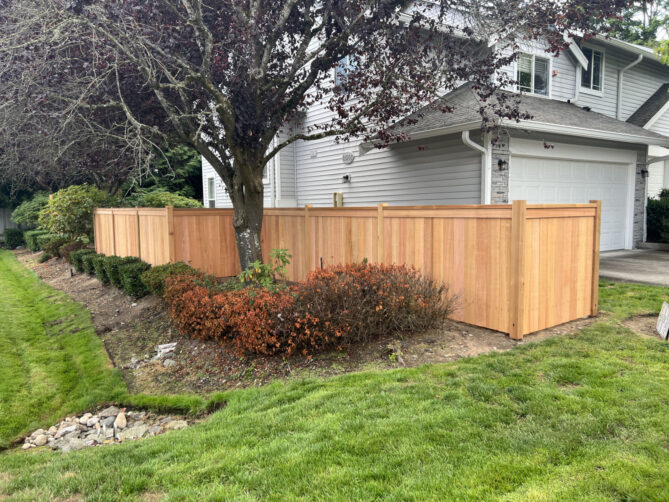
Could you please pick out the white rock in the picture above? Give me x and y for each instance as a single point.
(52, 430)
(177, 424)
(40, 440)
(92, 421)
(26, 446)
(120, 421)
(85, 418)
(65, 430)
(38, 432)
(169, 363)
(112, 411)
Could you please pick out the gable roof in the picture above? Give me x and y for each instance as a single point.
(548, 115)
(651, 107)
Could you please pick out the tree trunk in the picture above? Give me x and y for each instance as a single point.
(247, 221)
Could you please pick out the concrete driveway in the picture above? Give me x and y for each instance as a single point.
(647, 266)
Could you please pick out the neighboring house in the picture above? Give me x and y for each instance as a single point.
(600, 107)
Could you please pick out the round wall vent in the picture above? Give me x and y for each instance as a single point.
(348, 158)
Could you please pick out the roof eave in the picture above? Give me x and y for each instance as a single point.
(531, 125)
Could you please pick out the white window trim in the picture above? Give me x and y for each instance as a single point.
(588, 90)
(536, 55)
(211, 196)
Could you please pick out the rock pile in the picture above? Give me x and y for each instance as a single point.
(111, 425)
(162, 351)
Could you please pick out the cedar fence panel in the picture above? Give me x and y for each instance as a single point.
(515, 268)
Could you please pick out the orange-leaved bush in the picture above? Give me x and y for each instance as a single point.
(331, 309)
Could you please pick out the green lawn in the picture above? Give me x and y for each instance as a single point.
(581, 417)
(51, 361)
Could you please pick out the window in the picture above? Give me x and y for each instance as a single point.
(592, 77)
(342, 70)
(211, 192)
(532, 74)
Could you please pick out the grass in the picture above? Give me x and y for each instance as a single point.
(580, 417)
(51, 361)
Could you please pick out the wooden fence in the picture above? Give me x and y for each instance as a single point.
(515, 268)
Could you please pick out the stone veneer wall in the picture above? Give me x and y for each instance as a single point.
(499, 193)
(640, 192)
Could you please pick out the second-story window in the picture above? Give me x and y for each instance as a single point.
(592, 77)
(344, 67)
(532, 74)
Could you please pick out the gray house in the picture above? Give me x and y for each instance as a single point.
(600, 130)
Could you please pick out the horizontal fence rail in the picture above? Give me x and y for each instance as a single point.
(515, 268)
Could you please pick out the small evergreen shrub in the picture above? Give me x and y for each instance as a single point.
(66, 249)
(131, 278)
(164, 199)
(44, 257)
(14, 238)
(76, 258)
(53, 245)
(87, 263)
(112, 264)
(44, 239)
(154, 278)
(98, 262)
(657, 221)
(26, 214)
(31, 239)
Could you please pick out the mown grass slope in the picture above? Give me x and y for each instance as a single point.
(575, 418)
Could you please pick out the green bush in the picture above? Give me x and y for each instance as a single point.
(154, 278)
(66, 249)
(87, 263)
(70, 212)
(131, 278)
(76, 258)
(44, 257)
(44, 239)
(98, 262)
(31, 238)
(161, 198)
(54, 244)
(27, 213)
(657, 222)
(112, 264)
(14, 238)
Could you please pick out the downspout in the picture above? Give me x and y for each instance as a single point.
(619, 111)
(485, 163)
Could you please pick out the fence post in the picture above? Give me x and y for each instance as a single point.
(307, 237)
(594, 306)
(171, 250)
(379, 233)
(139, 238)
(517, 310)
(113, 232)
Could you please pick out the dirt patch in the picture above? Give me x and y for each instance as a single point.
(131, 331)
(643, 324)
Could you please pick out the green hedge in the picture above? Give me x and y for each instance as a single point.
(658, 219)
(131, 278)
(98, 262)
(66, 249)
(76, 258)
(87, 263)
(112, 263)
(54, 244)
(154, 278)
(31, 238)
(14, 238)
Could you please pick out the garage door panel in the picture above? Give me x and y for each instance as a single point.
(553, 181)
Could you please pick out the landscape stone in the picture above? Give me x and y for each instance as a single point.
(38, 432)
(92, 421)
(65, 430)
(169, 363)
(26, 446)
(133, 432)
(120, 421)
(73, 445)
(85, 418)
(112, 411)
(177, 424)
(40, 440)
(52, 430)
(108, 422)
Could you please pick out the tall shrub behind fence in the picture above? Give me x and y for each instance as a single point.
(516, 268)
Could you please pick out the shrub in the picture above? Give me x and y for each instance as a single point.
(159, 198)
(267, 275)
(66, 249)
(53, 245)
(154, 278)
(112, 264)
(14, 238)
(31, 238)
(131, 278)
(44, 257)
(331, 309)
(76, 258)
(98, 262)
(70, 212)
(27, 213)
(44, 239)
(87, 263)
(657, 222)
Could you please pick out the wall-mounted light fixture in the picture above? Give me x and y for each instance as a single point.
(644, 173)
(346, 178)
(502, 164)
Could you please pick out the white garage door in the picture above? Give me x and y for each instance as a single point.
(542, 180)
